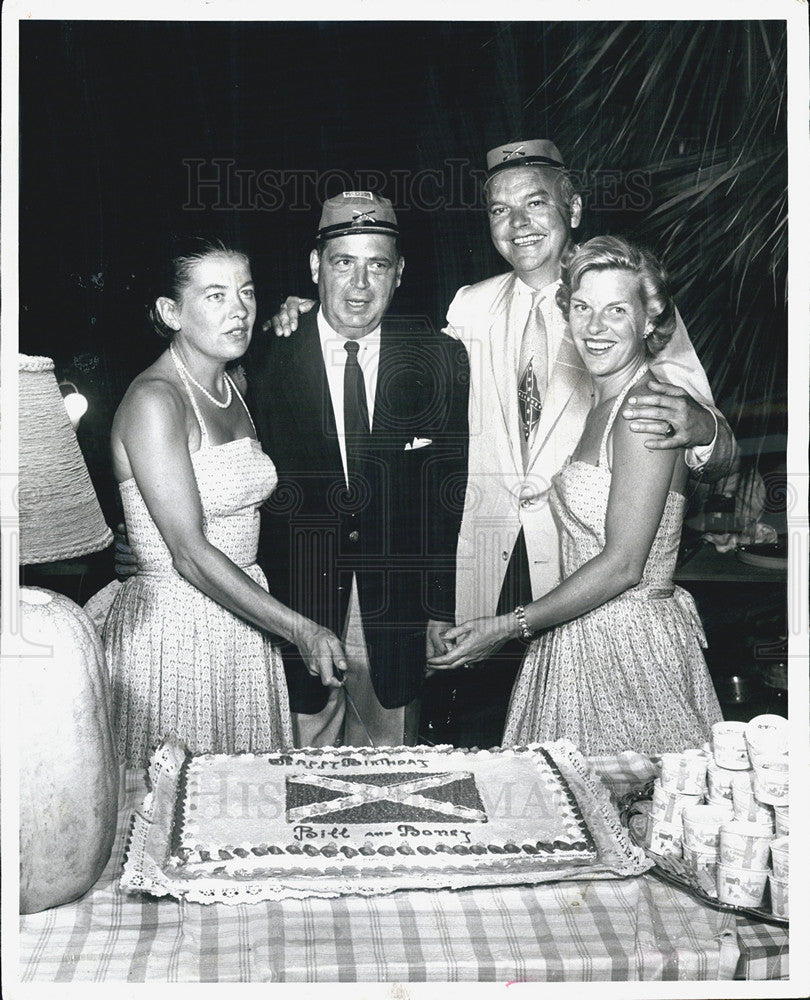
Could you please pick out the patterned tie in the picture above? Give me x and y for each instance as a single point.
(533, 370)
(355, 408)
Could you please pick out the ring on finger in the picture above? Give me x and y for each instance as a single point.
(670, 431)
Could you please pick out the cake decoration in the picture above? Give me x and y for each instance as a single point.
(348, 820)
(374, 798)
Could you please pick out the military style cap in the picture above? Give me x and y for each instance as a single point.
(523, 153)
(357, 212)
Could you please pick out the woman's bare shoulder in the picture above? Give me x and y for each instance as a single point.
(154, 395)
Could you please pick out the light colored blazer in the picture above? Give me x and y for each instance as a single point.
(500, 498)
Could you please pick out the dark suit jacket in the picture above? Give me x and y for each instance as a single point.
(399, 534)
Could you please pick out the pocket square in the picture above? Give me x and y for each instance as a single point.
(418, 443)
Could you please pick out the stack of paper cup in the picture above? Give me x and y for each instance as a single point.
(729, 746)
(779, 878)
(731, 838)
(746, 805)
(743, 869)
(682, 784)
(684, 772)
(782, 820)
(768, 735)
(719, 780)
(771, 779)
(701, 837)
(666, 830)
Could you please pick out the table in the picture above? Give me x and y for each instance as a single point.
(706, 564)
(634, 929)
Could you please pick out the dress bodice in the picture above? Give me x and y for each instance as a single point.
(579, 499)
(233, 479)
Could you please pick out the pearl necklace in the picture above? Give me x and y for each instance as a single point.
(184, 371)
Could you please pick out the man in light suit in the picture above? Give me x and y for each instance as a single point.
(365, 419)
(509, 546)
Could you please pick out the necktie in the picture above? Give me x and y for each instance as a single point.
(355, 408)
(533, 374)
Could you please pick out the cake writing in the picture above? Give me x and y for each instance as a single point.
(303, 832)
(323, 763)
(373, 797)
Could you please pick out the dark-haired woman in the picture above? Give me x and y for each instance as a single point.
(187, 636)
(619, 664)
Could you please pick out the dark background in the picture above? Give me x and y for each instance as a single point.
(117, 119)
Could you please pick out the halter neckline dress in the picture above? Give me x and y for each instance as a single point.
(181, 664)
(629, 675)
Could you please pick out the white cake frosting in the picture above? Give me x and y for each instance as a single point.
(353, 811)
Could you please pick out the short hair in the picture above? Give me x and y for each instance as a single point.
(603, 253)
(172, 274)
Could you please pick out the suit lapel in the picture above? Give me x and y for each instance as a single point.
(387, 367)
(303, 381)
(400, 385)
(504, 347)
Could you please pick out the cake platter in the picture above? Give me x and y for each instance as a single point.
(366, 821)
(634, 809)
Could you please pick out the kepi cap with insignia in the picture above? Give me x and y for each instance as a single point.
(357, 212)
(523, 153)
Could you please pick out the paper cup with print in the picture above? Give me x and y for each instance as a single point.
(746, 806)
(701, 861)
(779, 896)
(684, 772)
(771, 779)
(782, 820)
(725, 804)
(744, 845)
(779, 857)
(767, 735)
(740, 886)
(701, 827)
(719, 780)
(666, 838)
(728, 743)
(668, 806)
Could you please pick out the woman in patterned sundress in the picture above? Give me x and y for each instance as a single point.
(618, 664)
(187, 636)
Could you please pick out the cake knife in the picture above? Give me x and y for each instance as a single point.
(340, 676)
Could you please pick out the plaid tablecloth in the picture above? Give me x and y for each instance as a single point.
(636, 929)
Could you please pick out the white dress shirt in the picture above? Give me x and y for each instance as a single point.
(334, 359)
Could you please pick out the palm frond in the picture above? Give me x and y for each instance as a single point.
(700, 107)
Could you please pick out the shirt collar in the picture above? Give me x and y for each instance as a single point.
(547, 291)
(326, 332)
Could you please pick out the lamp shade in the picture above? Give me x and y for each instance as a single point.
(60, 516)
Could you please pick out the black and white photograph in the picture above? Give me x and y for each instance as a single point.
(404, 453)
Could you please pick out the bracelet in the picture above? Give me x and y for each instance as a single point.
(520, 616)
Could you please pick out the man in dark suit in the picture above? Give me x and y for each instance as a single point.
(366, 421)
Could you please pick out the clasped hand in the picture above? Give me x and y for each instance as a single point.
(474, 640)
